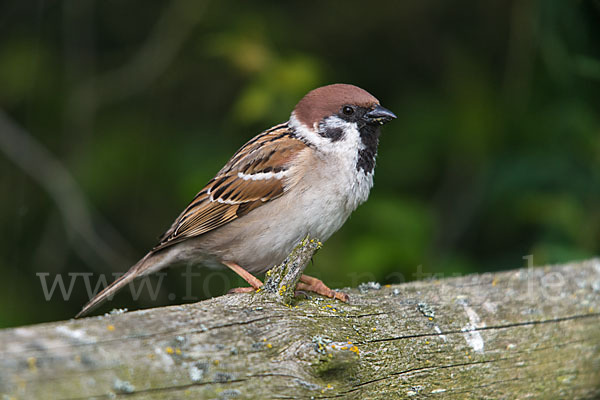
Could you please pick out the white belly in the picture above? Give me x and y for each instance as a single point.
(314, 206)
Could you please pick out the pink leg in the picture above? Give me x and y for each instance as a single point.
(247, 276)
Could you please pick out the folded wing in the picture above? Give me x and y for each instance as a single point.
(256, 174)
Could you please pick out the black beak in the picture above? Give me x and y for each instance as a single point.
(379, 115)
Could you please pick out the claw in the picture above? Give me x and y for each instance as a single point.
(311, 284)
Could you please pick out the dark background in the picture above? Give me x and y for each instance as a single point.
(114, 114)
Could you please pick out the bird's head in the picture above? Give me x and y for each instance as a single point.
(340, 118)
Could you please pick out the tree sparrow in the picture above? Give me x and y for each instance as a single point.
(304, 176)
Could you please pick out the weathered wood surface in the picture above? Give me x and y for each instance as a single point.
(530, 333)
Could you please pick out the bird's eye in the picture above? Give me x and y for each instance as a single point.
(348, 110)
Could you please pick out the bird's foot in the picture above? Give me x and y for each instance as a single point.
(311, 284)
(306, 284)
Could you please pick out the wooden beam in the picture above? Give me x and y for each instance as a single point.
(528, 333)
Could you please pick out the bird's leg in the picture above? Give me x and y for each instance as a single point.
(311, 284)
(254, 282)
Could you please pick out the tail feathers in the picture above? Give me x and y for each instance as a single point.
(137, 270)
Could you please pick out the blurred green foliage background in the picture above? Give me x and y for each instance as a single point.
(114, 114)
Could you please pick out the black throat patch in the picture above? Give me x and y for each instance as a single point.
(369, 134)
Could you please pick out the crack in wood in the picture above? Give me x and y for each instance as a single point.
(177, 388)
(420, 369)
(175, 331)
(167, 389)
(485, 328)
(343, 316)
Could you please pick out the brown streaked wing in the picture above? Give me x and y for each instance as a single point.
(228, 197)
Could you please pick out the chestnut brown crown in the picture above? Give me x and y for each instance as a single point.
(328, 100)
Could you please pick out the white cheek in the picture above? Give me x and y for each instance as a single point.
(349, 144)
(340, 159)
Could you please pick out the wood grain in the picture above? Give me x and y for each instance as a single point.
(528, 333)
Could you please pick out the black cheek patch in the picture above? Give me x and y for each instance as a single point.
(334, 134)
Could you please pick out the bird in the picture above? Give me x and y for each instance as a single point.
(301, 177)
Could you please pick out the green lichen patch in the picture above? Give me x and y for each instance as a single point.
(281, 281)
